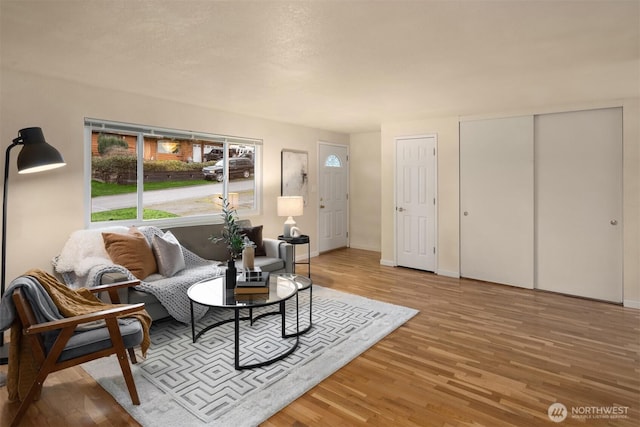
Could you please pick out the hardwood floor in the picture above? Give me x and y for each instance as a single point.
(476, 354)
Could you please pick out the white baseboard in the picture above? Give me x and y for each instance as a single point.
(364, 247)
(302, 257)
(454, 274)
(631, 303)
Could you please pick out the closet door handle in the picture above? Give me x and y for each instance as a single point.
(614, 222)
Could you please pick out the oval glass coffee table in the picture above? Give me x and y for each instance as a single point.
(213, 293)
(303, 283)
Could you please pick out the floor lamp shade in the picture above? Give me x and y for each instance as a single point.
(290, 206)
(36, 156)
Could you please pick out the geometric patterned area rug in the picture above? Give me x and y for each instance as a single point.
(185, 384)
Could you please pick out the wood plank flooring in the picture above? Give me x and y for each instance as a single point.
(477, 354)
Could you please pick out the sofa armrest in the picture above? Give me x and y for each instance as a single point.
(272, 247)
(116, 277)
(114, 289)
(280, 249)
(286, 253)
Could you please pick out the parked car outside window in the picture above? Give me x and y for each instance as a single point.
(238, 167)
(213, 155)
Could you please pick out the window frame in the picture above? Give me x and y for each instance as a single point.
(92, 124)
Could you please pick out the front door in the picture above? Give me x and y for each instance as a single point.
(334, 196)
(416, 202)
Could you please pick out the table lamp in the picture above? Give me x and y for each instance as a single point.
(290, 206)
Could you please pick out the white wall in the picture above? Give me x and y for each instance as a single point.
(45, 208)
(364, 191)
(448, 186)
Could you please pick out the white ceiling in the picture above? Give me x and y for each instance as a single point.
(344, 66)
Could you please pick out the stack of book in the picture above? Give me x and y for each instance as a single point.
(252, 281)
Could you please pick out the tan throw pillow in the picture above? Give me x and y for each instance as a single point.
(131, 251)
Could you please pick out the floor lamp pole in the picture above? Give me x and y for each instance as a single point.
(4, 349)
(36, 156)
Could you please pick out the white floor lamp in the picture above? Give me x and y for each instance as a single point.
(35, 156)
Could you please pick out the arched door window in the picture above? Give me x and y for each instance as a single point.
(333, 161)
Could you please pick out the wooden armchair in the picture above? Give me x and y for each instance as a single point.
(57, 344)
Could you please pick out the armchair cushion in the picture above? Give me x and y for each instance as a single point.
(98, 339)
(131, 251)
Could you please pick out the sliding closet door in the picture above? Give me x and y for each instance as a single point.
(579, 203)
(496, 200)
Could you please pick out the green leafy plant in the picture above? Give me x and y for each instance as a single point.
(231, 233)
(107, 143)
(118, 169)
(171, 166)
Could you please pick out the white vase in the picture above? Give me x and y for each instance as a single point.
(248, 256)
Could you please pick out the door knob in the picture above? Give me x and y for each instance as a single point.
(321, 206)
(466, 213)
(614, 222)
(400, 209)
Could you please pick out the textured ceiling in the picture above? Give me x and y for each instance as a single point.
(343, 66)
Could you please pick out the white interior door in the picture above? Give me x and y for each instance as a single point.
(334, 196)
(579, 203)
(416, 203)
(496, 200)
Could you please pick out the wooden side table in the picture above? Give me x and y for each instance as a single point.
(300, 240)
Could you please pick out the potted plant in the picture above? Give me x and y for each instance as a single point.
(233, 236)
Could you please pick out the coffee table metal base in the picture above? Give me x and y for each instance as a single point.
(237, 318)
(310, 325)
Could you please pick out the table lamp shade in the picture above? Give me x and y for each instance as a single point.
(290, 206)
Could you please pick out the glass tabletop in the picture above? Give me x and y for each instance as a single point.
(212, 293)
(303, 282)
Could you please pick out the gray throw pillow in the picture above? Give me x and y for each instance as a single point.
(168, 252)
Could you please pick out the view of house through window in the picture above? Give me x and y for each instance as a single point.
(140, 173)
